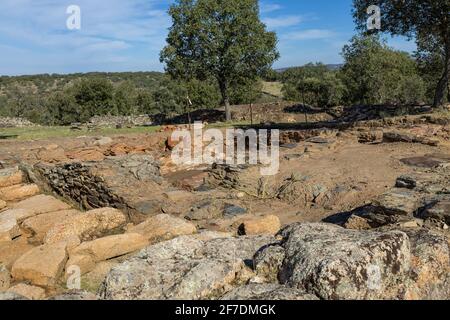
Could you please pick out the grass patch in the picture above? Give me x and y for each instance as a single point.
(43, 133)
(272, 88)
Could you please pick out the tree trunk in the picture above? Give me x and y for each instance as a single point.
(226, 99)
(443, 82)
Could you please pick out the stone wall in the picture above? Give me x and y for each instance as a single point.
(114, 121)
(7, 122)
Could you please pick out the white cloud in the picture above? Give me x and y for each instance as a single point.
(283, 21)
(309, 34)
(269, 7)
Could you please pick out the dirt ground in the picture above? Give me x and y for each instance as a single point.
(347, 173)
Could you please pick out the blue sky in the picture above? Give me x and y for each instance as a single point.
(127, 35)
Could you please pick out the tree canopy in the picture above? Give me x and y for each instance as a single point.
(220, 39)
(424, 19)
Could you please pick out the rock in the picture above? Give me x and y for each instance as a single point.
(10, 177)
(38, 226)
(9, 229)
(335, 263)
(42, 266)
(439, 211)
(75, 295)
(430, 266)
(184, 268)
(88, 226)
(85, 263)
(42, 204)
(27, 291)
(205, 210)
(103, 141)
(5, 278)
(11, 251)
(232, 211)
(390, 137)
(357, 223)
(86, 154)
(177, 195)
(318, 140)
(111, 246)
(9, 296)
(260, 225)
(93, 280)
(2, 204)
(397, 202)
(18, 192)
(271, 292)
(374, 136)
(268, 262)
(406, 181)
(163, 227)
(149, 207)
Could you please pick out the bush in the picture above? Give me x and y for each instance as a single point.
(373, 73)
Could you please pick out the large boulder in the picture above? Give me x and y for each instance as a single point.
(38, 226)
(2, 204)
(9, 228)
(267, 292)
(163, 227)
(336, 263)
(41, 266)
(10, 177)
(88, 226)
(260, 225)
(440, 210)
(18, 192)
(397, 202)
(111, 246)
(27, 291)
(184, 268)
(13, 250)
(42, 204)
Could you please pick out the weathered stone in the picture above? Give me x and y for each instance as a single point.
(271, 292)
(205, 210)
(163, 227)
(42, 204)
(83, 263)
(231, 211)
(177, 195)
(88, 226)
(75, 295)
(357, 223)
(397, 202)
(18, 192)
(2, 204)
(10, 177)
(27, 291)
(336, 263)
(184, 268)
(439, 211)
(9, 228)
(13, 250)
(268, 262)
(86, 154)
(9, 296)
(103, 141)
(41, 266)
(112, 246)
(260, 225)
(5, 278)
(38, 226)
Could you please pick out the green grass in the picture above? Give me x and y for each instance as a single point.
(273, 88)
(44, 133)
